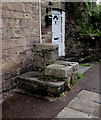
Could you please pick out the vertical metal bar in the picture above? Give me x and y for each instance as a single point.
(0, 60)
(40, 20)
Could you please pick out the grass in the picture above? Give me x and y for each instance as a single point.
(80, 75)
(97, 62)
(62, 94)
(86, 64)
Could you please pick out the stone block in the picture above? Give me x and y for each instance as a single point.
(34, 23)
(6, 13)
(38, 61)
(74, 64)
(6, 34)
(9, 84)
(16, 15)
(20, 7)
(44, 55)
(66, 63)
(38, 65)
(28, 8)
(6, 5)
(45, 46)
(34, 32)
(6, 85)
(50, 56)
(59, 70)
(30, 83)
(23, 23)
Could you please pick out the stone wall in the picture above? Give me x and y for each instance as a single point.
(46, 31)
(20, 30)
(77, 45)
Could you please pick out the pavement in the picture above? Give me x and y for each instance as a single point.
(85, 105)
(82, 101)
(83, 69)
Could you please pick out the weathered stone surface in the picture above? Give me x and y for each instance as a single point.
(87, 102)
(18, 35)
(45, 46)
(67, 113)
(68, 82)
(32, 84)
(59, 70)
(66, 63)
(85, 105)
(9, 84)
(44, 54)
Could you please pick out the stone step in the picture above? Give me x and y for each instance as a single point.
(67, 71)
(35, 83)
(58, 70)
(36, 86)
(62, 69)
(66, 63)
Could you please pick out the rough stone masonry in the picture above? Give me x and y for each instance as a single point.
(20, 30)
(51, 76)
(44, 54)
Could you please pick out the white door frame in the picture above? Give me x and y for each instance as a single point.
(63, 33)
(62, 40)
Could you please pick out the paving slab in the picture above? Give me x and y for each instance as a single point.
(86, 101)
(72, 113)
(83, 69)
(83, 105)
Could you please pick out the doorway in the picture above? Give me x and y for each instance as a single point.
(58, 30)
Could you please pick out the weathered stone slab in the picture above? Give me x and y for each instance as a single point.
(72, 113)
(86, 101)
(32, 84)
(45, 46)
(66, 63)
(57, 70)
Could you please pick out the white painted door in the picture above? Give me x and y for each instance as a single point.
(58, 30)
